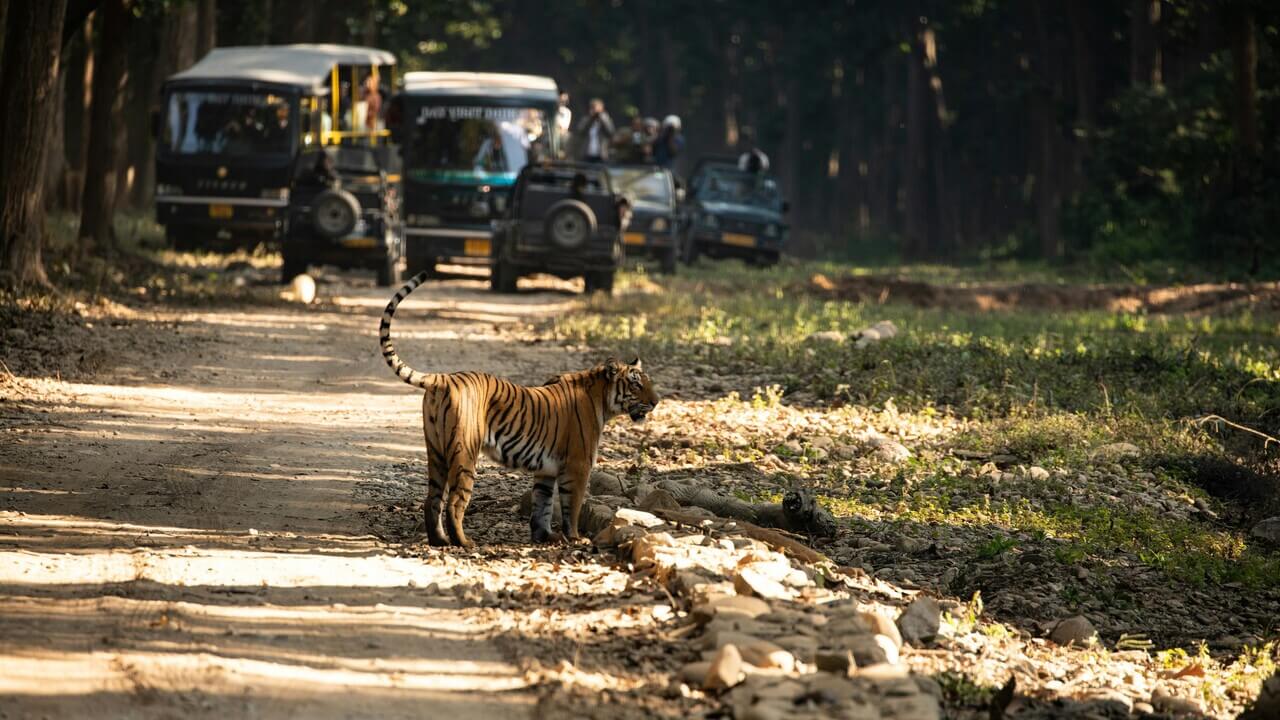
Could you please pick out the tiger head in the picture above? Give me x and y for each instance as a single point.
(631, 391)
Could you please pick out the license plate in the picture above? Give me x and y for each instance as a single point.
(221, 212)
(738, 239)
(359, 242)
(476, 246)
(633, 238)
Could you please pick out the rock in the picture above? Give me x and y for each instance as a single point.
(1267, 705)
(1109, 702)
(714, 640)
(618, 532)
(303, 289)
(725, 669)
(1114, 452)
(826, 336)
(846, 452)
(867, 650)
(1166, 703)
(695, 673)
(882, 330)
(822, 442)
(801, 647)
(1035, 472)
(594, 518)
(15, 336)
(840, 662)
(892, 451)
(606, 483)
(765, 654)
(658, 499)
(638, 517)
(912, 707)
(920, 621)
(730, 606)
(791, 447)
(1145, 708)
(878, 624)
(1268, 530)
(758, 579)
(1077, 630)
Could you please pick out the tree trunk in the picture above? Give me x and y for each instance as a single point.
(920, 213)
(98, 203)
(55, 163)
(207, 37)
(79, 100)
(1244, 56)
(1144, 43)
(32, 48)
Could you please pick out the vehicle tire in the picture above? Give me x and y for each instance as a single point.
(388, 271)
(690, 252)
(765, 260)
(294, 265)
(334, 213)
(599, 281)
(503, 277)
(180, 240)
(570, 224)
(669, 260)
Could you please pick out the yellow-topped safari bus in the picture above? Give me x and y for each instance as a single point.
(235, 130)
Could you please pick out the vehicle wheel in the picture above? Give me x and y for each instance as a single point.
(334, 212)
(670, 258)
(180, 240)
(765, 260)
(503, 277)
(599, 281)
(294, 265)
(570, 224)
(690, 252)
(388, 271)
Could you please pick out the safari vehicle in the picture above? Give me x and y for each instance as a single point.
(733, 213)
(464, 138)
(345, 211)
(231, 130)
(566, 220)
(651, 193)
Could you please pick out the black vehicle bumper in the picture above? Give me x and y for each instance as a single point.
(463, 245)
(602, 252)
(640, 244)
(734, 245)
(368, 246)
(231, 214)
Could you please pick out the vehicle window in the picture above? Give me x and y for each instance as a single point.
(459, 142)
(642, 185)
(739, 188)
(564, 180)
(224, 123)
(354, 160)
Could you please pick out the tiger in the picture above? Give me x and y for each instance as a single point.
(552, 431)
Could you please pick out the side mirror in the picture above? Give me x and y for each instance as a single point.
(155, 124)
(681, 195)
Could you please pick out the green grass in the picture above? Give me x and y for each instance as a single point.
(1045, 387)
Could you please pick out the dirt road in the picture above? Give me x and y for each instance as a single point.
(185, 532)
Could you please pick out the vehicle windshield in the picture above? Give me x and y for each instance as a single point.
(739, 188)
(200, 122)
(452, 143)
(642, 184)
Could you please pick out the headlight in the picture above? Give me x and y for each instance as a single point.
(771, 230)
(165, 189)
(480, 208)
(710, 221)
(659, 225)
(276, 193)
(499, 203)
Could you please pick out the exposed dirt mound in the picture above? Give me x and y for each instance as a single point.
(1204, 298)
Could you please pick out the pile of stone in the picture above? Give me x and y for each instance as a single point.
(772, 635)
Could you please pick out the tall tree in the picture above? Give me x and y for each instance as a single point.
(32, 49)
(98, 201)
(207, 37)
(1244, 55)
(1144, 42)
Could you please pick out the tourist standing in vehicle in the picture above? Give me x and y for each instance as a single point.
(669, 143)
(372, 102)
(595, 131)
(564, 123)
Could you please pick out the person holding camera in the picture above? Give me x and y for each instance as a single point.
(596, 131)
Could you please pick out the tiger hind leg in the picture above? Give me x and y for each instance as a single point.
(540, 518)
(462, 479)
(437, 492)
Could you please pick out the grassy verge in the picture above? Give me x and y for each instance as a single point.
(1029, 398)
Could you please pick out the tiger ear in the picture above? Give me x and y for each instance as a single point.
(636, 363)
(611, 368)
